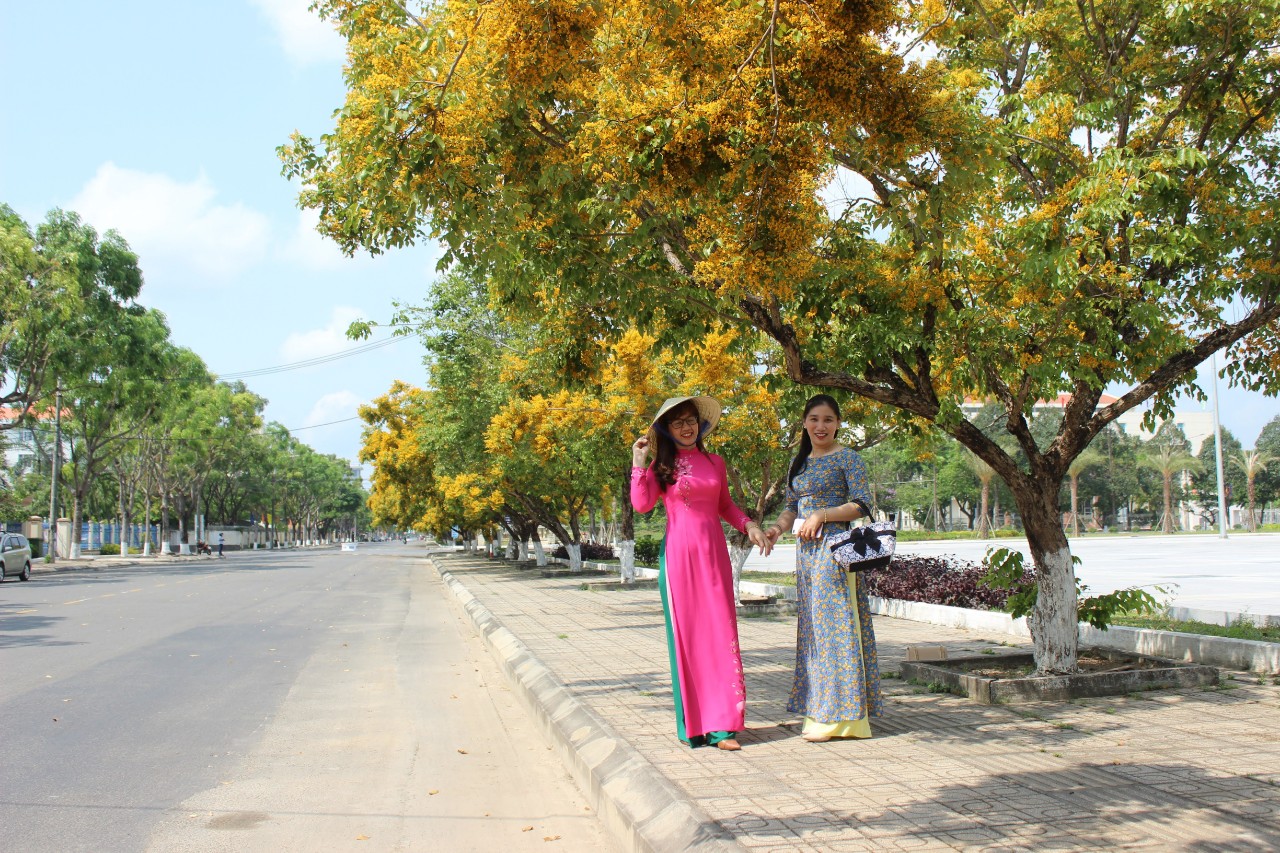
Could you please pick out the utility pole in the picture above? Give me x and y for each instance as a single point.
(57, 471)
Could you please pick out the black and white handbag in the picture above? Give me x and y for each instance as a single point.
(860, 549)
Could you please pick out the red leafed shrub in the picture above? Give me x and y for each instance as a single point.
(936, 580)
(590, 551)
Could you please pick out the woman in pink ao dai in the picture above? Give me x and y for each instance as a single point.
(696, 577)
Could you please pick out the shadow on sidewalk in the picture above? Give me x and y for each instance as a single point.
(1091, 807)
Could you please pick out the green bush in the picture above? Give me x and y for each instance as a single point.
(36, 545)
(109, 549)
(647, 548)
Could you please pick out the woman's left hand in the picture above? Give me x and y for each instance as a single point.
(811, 528)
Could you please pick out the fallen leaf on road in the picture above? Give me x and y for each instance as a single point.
(526, 829)
(55, 719)
(550, 838)
(362, 838)
(462, 752)
(432, 792)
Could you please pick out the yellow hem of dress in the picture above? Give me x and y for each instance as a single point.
(841, 728)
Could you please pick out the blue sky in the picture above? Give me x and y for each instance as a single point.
(161, 120)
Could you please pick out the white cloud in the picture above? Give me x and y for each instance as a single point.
(335, 406)
(313, 250)
(304, 36)
(300, 346)
(165, 219)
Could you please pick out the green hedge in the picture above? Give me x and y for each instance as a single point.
(647, 548)
(109, 549)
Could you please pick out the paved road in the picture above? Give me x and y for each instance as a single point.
(313, 701)
(1240, 573)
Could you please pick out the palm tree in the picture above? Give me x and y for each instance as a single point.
(985, 474)
(1251, 463)
(1169, 461)
(1084, 461)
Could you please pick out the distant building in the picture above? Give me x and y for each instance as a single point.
(21, 452)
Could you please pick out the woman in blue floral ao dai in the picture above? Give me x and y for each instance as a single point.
(837, 680)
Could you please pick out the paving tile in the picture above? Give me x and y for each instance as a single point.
(1192, 769)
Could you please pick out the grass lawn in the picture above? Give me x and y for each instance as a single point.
(1238, 631)
(779, 578)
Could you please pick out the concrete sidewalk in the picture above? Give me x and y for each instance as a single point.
(1194, 769)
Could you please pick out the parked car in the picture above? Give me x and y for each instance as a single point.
(15, 556)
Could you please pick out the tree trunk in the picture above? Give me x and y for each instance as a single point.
(739, 550)
(575, 556)
(539, 552)
(984, 521)
(1075, 507)
(75, 525)
(627, 536)
(627, 560)
(1166, 523)
(124, 522)
(1252, 493)
(1054, 620)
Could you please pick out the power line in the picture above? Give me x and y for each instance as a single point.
(47, 430)
(311, 362)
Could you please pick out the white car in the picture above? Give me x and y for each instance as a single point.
(15, 556)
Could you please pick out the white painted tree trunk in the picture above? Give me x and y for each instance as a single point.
(510, 552)
(539, 552)
(575, 557)
(524, 550)
(627, 559)
(738, 558)
(1054, 620)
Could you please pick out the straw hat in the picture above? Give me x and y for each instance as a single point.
(708, 412)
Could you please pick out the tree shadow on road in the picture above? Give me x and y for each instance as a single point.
(16, 628)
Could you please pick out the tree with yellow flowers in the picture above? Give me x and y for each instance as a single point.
(403, 491)
(917, 203)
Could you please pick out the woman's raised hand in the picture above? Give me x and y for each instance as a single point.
(639, 451)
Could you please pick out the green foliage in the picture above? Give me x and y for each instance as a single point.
(1005, 570)
(109, 549)
(648, 549)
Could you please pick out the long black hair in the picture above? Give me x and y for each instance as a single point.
(664, 462)
(806, 444)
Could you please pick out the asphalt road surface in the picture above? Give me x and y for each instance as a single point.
(313, 701)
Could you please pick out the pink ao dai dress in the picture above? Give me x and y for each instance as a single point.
(696, 580)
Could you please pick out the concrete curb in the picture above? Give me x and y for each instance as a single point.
(636, 804)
